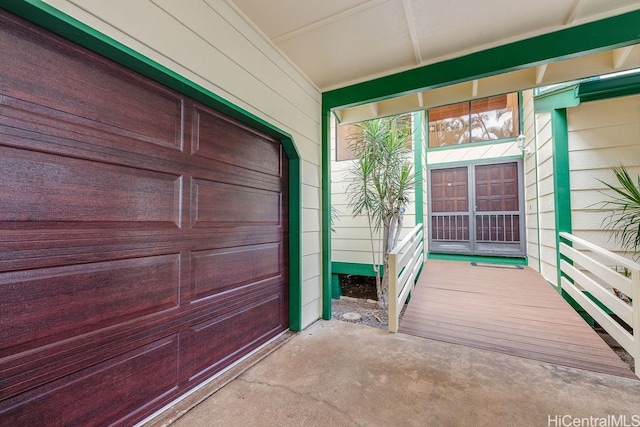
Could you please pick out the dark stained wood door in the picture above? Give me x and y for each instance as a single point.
(491, 224)
(143, 238)
(450, 206)
(497, 203)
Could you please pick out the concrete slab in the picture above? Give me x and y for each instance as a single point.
(341, 374)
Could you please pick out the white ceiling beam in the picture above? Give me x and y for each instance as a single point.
(327, 20)
(620, 56)
(408, 12)
(540, 71)
(474, 88)
(420, 99)
(577, 7)
(374, 108)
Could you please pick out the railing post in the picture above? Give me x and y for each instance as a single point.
(635, 297)
(392, 298)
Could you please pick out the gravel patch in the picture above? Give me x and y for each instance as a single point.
(366, 308)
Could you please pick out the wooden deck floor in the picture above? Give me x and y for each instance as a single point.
(507, 310)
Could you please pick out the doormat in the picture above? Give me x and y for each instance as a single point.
(510, 267)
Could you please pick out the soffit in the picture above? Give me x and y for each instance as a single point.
(341, 42)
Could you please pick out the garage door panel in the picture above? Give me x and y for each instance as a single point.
(29, 126)
(215, 343)
(75, 190)
(219, 270)
(239, 207)
(53, 304)
(143, 237)
(101, 394)
(223, 140)
(85, 86)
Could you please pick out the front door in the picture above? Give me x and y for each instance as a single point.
(477, 209)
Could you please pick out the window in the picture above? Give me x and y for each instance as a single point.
(479, 120)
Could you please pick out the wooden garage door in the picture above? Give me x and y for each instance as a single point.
(142, 237)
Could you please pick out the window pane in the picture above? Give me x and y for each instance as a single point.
(475, 121)
(449, 125)
(494, 118)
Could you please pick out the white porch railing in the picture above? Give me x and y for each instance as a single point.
(600, 280)
(405, 262)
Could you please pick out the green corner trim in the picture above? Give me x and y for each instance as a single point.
(326, 213)
(479, 258)
(66, 26)
(561, 178)
(418, 143)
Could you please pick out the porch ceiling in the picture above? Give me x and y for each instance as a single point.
(337, 43)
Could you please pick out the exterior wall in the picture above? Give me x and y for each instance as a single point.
(350, 240)
(471, 153)
(602, 134)
(210, 44)
(543, 159)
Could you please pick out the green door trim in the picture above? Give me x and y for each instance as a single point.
(66, 26)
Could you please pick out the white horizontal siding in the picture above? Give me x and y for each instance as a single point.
(602, 134)
(546, 221)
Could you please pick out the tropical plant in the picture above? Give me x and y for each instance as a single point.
(624, 221)
(382, 179)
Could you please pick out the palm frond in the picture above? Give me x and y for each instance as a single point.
(624, 221)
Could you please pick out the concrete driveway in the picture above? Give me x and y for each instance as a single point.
(341, 374)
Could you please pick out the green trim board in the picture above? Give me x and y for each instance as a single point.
(562, 98)
(561, 178)
(66, 26)
(589, 38)
(418, 141)
(479, 258)
(338, 268)
(609, 88)
(326, 213)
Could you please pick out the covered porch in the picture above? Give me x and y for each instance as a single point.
(505, 309)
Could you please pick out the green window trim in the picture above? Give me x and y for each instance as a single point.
(66, 26)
